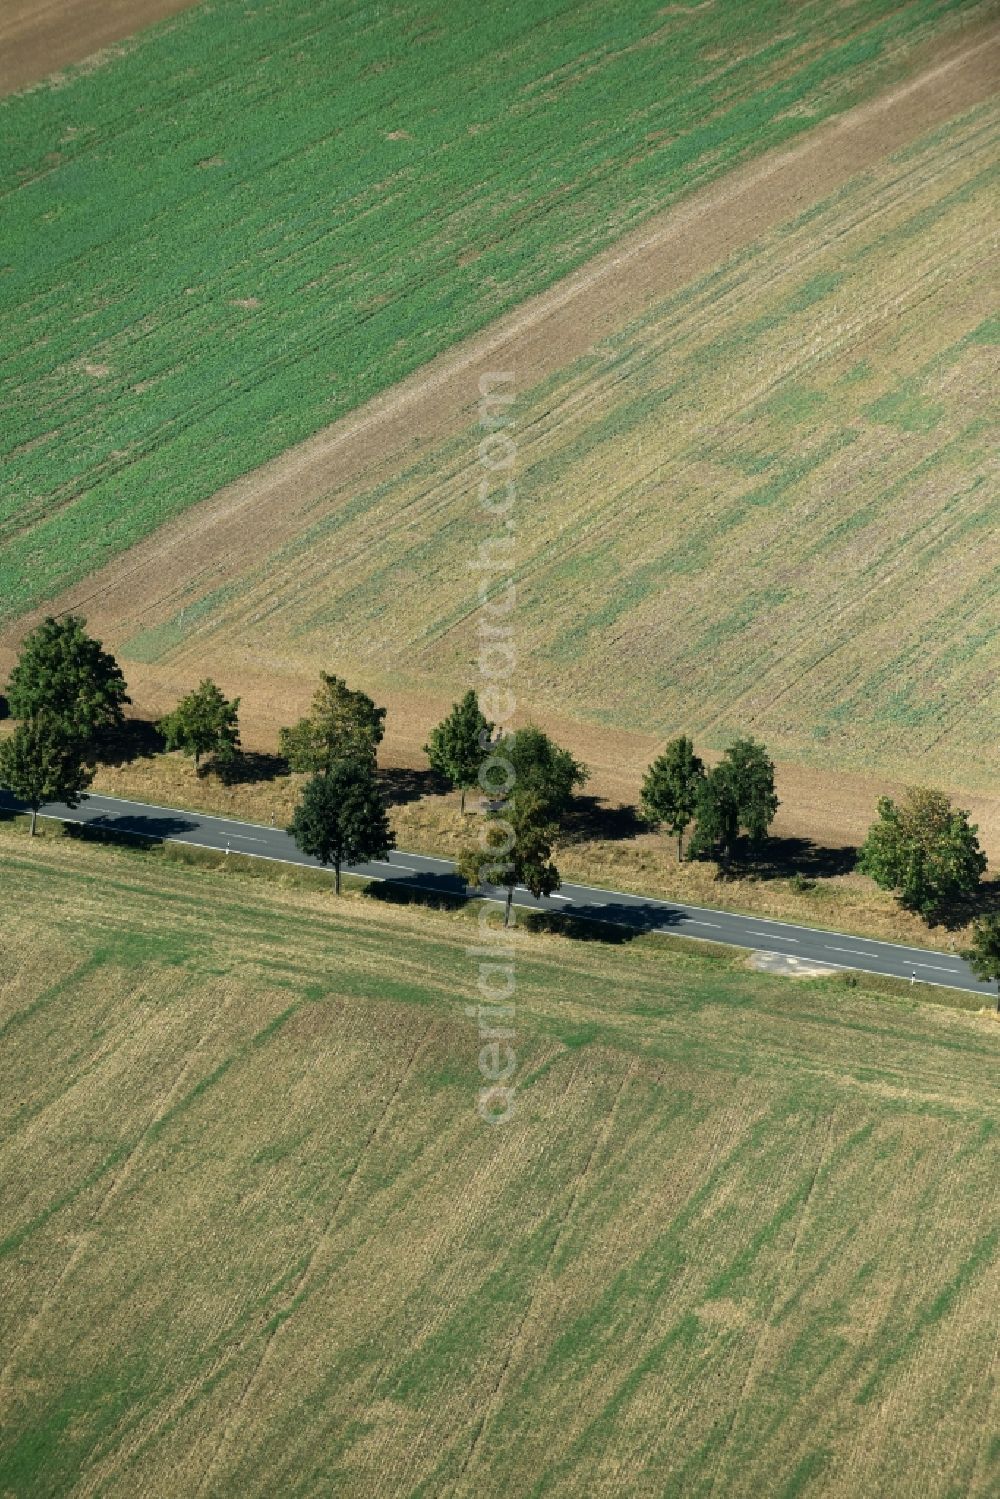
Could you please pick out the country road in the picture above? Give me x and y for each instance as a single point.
(590, 902)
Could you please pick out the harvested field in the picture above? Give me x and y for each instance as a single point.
(159, 342)
(766, 504)
(255, 1239)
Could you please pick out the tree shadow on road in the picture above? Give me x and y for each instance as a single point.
(435, 892)
(445, 893)
(138, 831)
(578, 928)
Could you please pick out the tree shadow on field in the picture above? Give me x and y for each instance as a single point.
(787, 858)
(136, 739)
(435, 892)
(401, 783)
(958, 913)
(589, 819)
(247, 768)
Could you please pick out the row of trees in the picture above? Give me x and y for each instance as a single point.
(70, 697)
(70, 694)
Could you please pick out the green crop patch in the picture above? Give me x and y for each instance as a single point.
(907, 409)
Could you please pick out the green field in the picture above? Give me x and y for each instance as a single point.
(738, 1238)
(252, 219)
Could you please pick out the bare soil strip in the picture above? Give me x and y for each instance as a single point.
(38, 37)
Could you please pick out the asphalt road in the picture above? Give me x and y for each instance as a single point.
(637, 912)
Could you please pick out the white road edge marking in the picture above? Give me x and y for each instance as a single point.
(817, 931)
(303, 864)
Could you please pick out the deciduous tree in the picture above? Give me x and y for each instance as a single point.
(983, 956)
(924, 849)
(736, 796)
(528, 760)
(42, 761)
(459, 744)
(342, 724)
(670, 789)
(341, 817)
(205, 722)
(66, 674)
(517, 851)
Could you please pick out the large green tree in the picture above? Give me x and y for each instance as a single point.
(343, 724)
(670, 789)
(924, 849)
(736, 797)
(517, 851)
(983, 956)
(63, 672)
(205, 722)
(43, 762)
(459, 744)
(529, 782)
(341, 817)
(528, 760)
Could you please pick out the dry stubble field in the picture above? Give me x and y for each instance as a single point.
(739, 1237)
(799, 441)
(767, 505)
